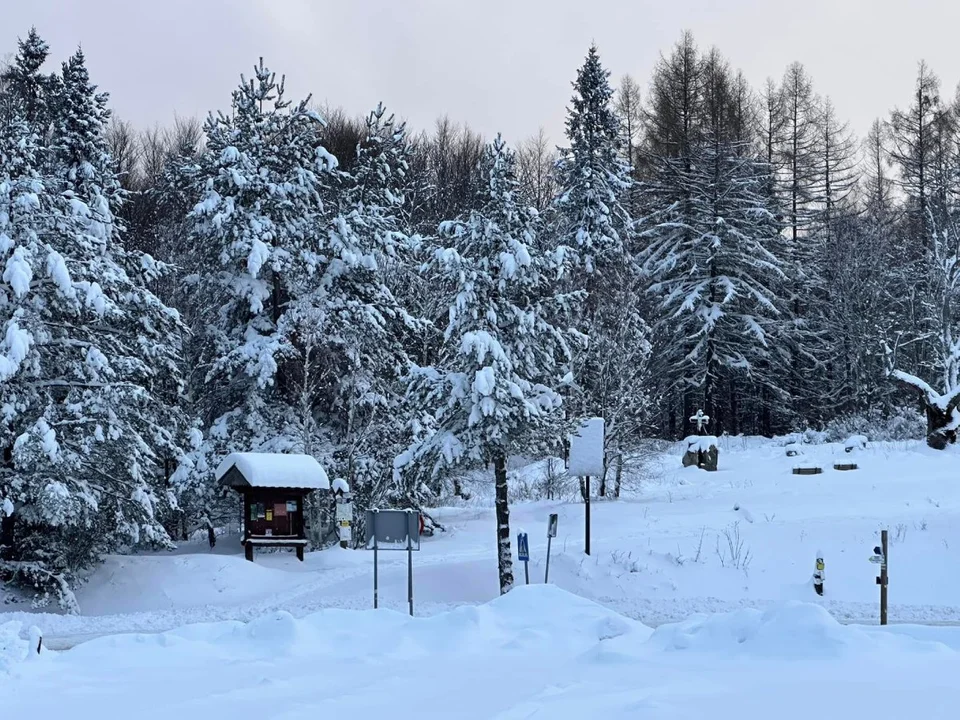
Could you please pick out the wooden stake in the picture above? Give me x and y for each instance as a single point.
(883, 579)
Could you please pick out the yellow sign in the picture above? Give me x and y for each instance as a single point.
(344, 523)
(269, 514)
(819, 564)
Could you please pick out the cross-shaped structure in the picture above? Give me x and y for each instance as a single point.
(701, 420)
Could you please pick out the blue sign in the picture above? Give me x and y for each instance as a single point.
(523, 547)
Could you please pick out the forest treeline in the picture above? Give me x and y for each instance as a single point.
(404, 304)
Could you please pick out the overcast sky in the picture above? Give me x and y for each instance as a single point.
(501, 65)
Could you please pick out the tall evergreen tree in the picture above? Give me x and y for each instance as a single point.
(255, 245)
(92, 376)
(493, 391)
(593, 235)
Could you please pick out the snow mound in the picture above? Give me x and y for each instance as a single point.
(794, 630)
(855, 442)
(16, 648)
(531, 618)
(149, 583)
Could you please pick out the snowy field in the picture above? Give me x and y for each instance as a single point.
(538, 652)
(737, 546)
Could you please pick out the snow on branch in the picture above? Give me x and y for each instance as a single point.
(941, 401)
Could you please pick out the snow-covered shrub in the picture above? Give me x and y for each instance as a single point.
(900, 424)
(543, 480)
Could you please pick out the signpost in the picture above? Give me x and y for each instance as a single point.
(523, 554)
(344, 519)
(586, 460)
(880, 557)
(393, 530)
(551, 534)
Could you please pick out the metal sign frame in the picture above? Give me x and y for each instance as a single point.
(400, 529)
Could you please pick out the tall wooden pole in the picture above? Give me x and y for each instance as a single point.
(883, 578)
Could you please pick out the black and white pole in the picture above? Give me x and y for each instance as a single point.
(818, 574)
(523, 554)
(551, 534)
(344, 514)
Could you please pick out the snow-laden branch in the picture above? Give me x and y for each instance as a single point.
(941, 401)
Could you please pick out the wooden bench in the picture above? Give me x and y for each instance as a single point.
(296, 543)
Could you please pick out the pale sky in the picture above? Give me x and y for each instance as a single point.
(501, 65)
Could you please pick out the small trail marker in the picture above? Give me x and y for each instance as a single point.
(551, 534)
(818, 574)
(523, 554)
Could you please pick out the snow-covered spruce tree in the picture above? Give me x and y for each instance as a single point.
(89, 356)
(27, 87)
(592, 234)
(493, 391)
(708, 256)
(672, 129)
(359, 331)
(304, 339)
(255, 247)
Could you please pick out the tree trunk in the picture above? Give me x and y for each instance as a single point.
(619, 476)
(504, 552)
(937, 420)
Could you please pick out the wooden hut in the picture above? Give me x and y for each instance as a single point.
(272, 488)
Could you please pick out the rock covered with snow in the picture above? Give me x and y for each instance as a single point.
(701, 451)
(855, 442)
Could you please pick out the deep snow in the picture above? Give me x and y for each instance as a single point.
(538, 652)
(659, 555)
(682, 546)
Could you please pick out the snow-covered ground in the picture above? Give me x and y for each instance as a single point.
(682, 541)
(538, 652)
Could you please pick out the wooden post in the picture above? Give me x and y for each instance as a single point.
(586, 516)
(883, 579)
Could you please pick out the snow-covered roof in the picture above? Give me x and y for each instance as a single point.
(274, 470)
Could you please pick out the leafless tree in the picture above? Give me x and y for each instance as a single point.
(630, 111)
(536, 159)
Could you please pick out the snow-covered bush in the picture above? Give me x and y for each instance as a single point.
(901, 424)
(543, 480)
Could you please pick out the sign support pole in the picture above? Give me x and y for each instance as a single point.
(551, 531)
(883, 578)
(546, 572)
(409, 563)
(376, 588)
(586, 516)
